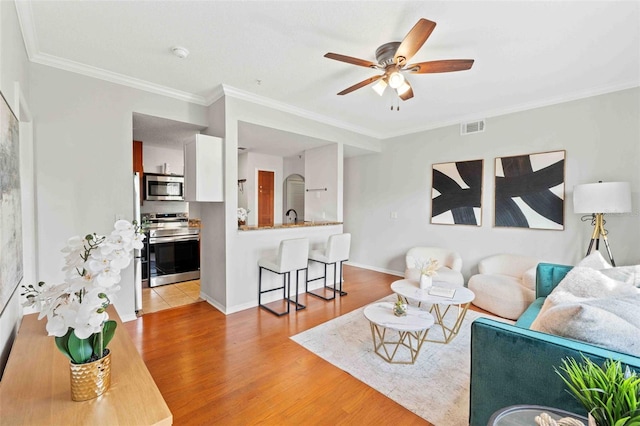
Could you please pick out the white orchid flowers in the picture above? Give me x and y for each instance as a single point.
(93, 265)
(242, 214)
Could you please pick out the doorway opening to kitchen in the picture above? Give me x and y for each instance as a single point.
(167, 270)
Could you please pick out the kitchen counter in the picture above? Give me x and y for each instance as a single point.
(286, 225)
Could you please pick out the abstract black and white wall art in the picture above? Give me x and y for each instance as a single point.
(456, 193)
(10, 205)
(529, 191)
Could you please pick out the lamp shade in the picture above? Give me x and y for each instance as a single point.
(602, 197)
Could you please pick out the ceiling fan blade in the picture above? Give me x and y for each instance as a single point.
(361, 84)
(350, 60)
(448, 65)
(408, 94)
(413, 41)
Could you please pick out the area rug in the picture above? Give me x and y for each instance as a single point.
(436, 387)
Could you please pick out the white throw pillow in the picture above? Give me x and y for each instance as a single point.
(586, 283)
(612, 322)
(625, 274)
(581, 284)
(594, 261)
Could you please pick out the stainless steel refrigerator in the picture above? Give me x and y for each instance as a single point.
(137, 254)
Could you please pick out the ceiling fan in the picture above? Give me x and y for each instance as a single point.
(392, 58)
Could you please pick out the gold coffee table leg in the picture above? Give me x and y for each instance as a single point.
(449, 332)
(387, 349)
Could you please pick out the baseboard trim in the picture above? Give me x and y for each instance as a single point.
(254, 304)
(127, 318)
(376, 269)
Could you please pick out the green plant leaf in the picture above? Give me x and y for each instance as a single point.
(79, 349)
(607, 392)
(62, 342)
(108, 331)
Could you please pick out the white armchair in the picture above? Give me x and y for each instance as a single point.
(450, 264)
(505, 284)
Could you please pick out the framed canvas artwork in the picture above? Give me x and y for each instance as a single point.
(10, 205)
(456, 193)
(529, 191)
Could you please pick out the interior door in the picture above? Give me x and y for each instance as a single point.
(265, 197)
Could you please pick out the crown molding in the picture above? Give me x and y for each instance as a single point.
(281, 106)
(25, 19)
(215, 95)
(25, 16)
(515, 109)
(27, 26)
(113, 77)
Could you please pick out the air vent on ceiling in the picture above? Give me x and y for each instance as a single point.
(472, 127)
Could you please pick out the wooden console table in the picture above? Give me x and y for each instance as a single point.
(35, 388)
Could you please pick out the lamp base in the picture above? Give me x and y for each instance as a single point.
(599, 231)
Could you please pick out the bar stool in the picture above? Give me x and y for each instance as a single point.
(336, 251)
(292, 256)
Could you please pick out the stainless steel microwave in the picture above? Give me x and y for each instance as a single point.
(163, 187)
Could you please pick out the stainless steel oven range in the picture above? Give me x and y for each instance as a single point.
(173, 249)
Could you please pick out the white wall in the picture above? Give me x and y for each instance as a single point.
(14, 84)
(243, 174)
(225, 287)
(216, 217)
(601, 136)
(294, 165)
(83, 160)
(154, 158)
(323, 168)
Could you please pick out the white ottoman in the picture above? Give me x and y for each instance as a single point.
(505, 285)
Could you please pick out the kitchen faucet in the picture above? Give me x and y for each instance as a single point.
(295, 220)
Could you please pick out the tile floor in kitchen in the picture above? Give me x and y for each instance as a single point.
(169, 296)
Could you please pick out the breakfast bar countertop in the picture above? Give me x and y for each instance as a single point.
(286, 225)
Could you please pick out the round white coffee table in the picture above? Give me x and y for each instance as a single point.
(412, 330)
(410, 290)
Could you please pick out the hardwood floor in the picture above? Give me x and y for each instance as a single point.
(244, 369)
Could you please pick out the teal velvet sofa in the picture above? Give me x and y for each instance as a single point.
(512, 365)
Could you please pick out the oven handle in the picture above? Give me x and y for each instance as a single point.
(156, 240)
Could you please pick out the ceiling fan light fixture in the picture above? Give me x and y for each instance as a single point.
(403, 88)
(380, 86)
(396, 79)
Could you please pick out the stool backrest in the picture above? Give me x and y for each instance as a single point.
(293, 254)
(338, 247)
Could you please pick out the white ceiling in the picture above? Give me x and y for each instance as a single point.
(527, 53)
(162, 132)
(157, 131)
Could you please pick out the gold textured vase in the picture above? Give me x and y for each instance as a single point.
(90, 380)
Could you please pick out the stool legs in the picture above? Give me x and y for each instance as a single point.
(299, 306)
(342, 293)
(336, 281)
(286, 291)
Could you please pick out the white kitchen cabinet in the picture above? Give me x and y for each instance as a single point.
(203, 169)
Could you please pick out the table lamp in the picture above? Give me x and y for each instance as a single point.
(598, 199)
